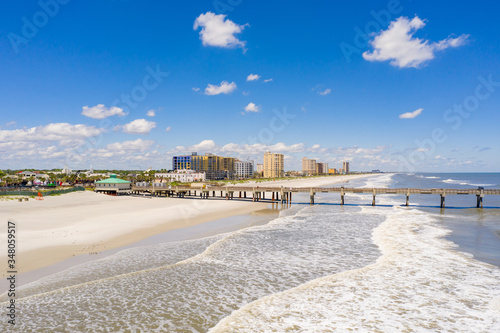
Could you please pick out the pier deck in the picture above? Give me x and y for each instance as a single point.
(284, 194)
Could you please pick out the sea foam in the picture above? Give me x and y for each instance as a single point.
(419, 284)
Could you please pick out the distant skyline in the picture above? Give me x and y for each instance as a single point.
(389, 85)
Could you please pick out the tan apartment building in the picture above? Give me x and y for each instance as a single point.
(308, 166)
(274, 165)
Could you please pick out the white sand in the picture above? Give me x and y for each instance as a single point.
(61, 227)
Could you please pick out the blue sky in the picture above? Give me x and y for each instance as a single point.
(391, 85)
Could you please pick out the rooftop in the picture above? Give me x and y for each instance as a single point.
(113, 180)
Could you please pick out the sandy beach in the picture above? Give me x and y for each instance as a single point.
(83, 223)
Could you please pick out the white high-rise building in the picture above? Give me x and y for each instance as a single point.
(243, 169)
(259, 168)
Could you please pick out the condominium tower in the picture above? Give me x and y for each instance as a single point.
(345, 167)
(308, 166)
(243, 169)
(274, 165)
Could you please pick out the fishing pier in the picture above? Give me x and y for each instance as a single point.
(284, 194)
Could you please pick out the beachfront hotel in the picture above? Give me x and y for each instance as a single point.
(274, 165)
(215, 167)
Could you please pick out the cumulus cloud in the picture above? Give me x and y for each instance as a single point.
(195, 89)
(224, 88)
(218, 31)
(100, 111)
(325, 92)
(50, 132)
(151, 113)
(205, 146)
(10, 123)
(268, 80)
(251, 107)
(138, 126)
(398, 45)
(253, 77)
(138, 144)
(411, 115)
(168, 129)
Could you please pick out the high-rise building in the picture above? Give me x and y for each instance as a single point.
(321, 168)
(215, 167)
(345, 167)
(332, 171)
(274, 165)
(308, 166)
(259, 168)
(243, 169)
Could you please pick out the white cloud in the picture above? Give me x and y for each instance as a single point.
(151, 113)
(411, 115)
(10, 123)
(398, 44)
(325, 92)
(224, 88)
(218, 31)
(251, 107)
(168, 129)
(195, 89)
(50, 132)
(316, 146)
(268, 80)
(138, 144)
(253, 77)
(100, 111)
(138, 126)
(206, 146)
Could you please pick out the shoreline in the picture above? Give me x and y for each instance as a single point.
(194, 232)
(78, 239)
(85, 223)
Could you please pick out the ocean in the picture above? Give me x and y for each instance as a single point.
(321, 268)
